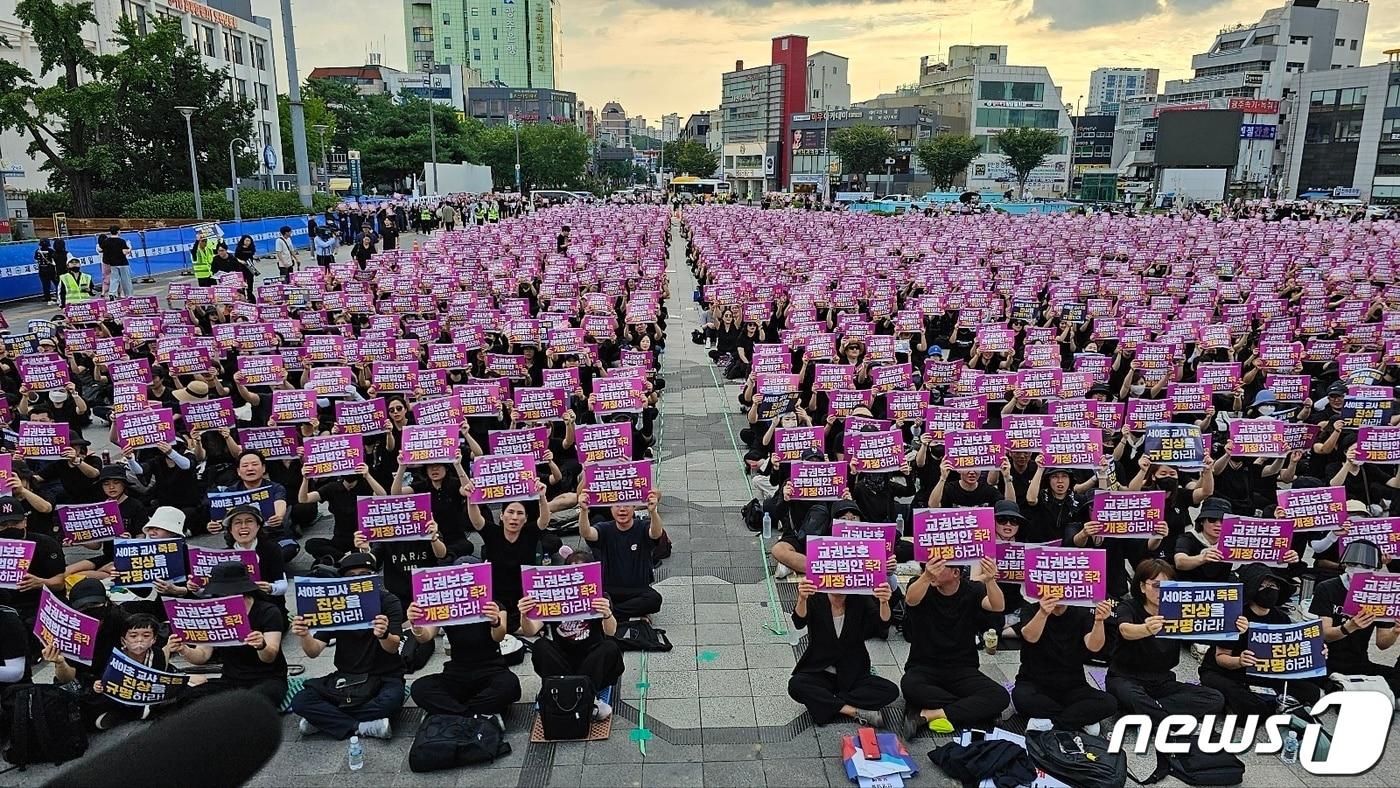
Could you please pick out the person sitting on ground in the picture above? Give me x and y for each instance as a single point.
(1348, 638)
(1050, 687)
(1141, 672)
(340, 495)
(790, 551)
(46, 569)
(576, 648)
(258, 664)
(367, 686)
(476, 679)
(115, 486)
(510, 544)
(628, 571)
(833, 678)
(942, 683)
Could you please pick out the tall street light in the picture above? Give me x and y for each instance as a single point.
(325, 172)
(233, 177)
(188, 112)
(515, 123)
(1073, 140)
(432, 126)
(289, 43)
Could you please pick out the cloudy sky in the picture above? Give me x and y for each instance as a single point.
(660, 56)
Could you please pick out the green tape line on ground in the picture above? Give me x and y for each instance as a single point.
(641, 734)
(776, 625)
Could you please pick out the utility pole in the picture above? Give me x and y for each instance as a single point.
(432, 125)
(233, 177)
(289, 42)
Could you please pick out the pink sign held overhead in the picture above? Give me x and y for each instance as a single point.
(844, 565)
(956, 536)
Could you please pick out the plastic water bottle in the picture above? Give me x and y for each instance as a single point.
(1290, 748)
(898, 525)
(767, 526)
(357, 754)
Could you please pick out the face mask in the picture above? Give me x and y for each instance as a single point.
(1266, 597)
(1136, 390)
(1352, 571)
(1167, 484)
(1266, 410)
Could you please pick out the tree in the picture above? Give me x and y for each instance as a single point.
(689, 157)
(551, 156)
(863, 148)
(946, 156)
(1026, 149)
(396, 142)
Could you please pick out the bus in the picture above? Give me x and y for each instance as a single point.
(689, 184)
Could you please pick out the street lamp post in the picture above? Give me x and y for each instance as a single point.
(1073, 139)
(188, 112)
(325, 171)
(233, 177)
(432, 126)
(294, 103)
(516, 123)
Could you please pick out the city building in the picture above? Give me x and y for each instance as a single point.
(670, 127)
(585, 120)
(751, 110)
(1135, 142)
(499, 106)
(613, 126)
(1344, 135)
(511, 43)
(226, 33)
(1109, 86)
(829, 81)
(812, 163)
(447, 84)
(1249, 67)
(790, 52)
(697, 129)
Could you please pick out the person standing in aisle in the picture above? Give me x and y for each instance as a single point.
(48, 272)
(116, 264)
(286, 254)
(75, 287)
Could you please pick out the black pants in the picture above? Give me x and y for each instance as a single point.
(1241, 700)
(967, 697)
(1159, 698)
(1067, 703)
(322, 549)
(471, 691)
(48, 279)
(341, 721)
(273, 690)
(632, 603)
(602, 664)
(825, 693)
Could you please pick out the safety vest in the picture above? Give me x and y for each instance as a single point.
(76, 289)
(427, 215)
(493, 213)
(203, 263)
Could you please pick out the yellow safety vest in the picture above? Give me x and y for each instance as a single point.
(203, 265)
(76, 289)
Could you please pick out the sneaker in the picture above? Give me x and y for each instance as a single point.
(307, 729)
(375, 729)
(1198, 651)
(1039, 724)
(941, 725)
(1093, 729)
(782, 571)
(601, 710)
(105, 721)
(870, 718)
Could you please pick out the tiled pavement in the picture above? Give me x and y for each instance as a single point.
(716, 710)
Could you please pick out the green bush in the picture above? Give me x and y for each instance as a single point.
(255, 204)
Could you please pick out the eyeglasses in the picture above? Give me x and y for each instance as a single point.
(1153, 584)
(1007, 521)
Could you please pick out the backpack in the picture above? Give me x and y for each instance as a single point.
(445, 741)
(641, 636)
(46, 727)
(1198, 768)
(566, 707)
(1077, 758)
(752, 513)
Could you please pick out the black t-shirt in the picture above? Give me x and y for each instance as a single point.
(1210, 572)
(576, 638)
(359, 651)
(984, 495)
(397, 560)
(341, 502)
(113, 250)
(626, 555)
(48, 562)
(449, 507)
(241, 663)
(14, 642)
(1060, 653)
(1352, 651)
(507, 557)
(472, 647)
(942, 629)
(1151, 658)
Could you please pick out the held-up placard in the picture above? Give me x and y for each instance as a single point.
(333, 455)
(957, 536)
(1246, 540)
(1374, 593)
(1077, 575)
(394, 518)
(844, 565)
(1258, 438)
(500, 478)
(1287, 651)
(1315, 508)
(209, 622)
(818, 481)
(448, 595)
(974, 450)
(1129, 514)
(618, 483)
(1200, 611)
(563, 593)
(332, 604)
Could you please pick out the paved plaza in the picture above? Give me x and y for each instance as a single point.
(714, 711)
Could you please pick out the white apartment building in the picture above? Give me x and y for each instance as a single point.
(1109, 86)
(828, 82)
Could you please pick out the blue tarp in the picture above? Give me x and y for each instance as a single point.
(153, 251)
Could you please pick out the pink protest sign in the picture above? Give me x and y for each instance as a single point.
(1021, 431)
(41, 440)
(829, 377)
(440, 410)
(1384, 532)
(333, 455)
(394, 518)
(203, 560)
(448, 595)
(209, 622)
(293, 406)
(1289, 388)
(906, 405)
(330, 382)
(892, 377)
(394, 377)
(603, 442)
(533, 441)
(563, 593)
(426, 444)
(143, 429)
(875, 451)
(974, 450)
(213, 414)
(1129, 514)
(370, 417)
(618, 483)
(1189, 397)
(540, 404)
(845, 565)
(81, 523)
(1258, 438)
(1378, 445)
(956, 536)
(1374, 593)
(73, 633)
(7, 467)
(454, 355)
(262, 370)
(885, 532)
(941, 420)
(1011, 560)
(1039, 383)
(1138, 413)
(275, 443)
(44, 372)
(1245, 540)
(818, 481)
(503, 478)
(843, 401)
(566, 378)
(790, 443)
(15, 557)
(1077, 576)
(1317, 508)
(618, 394)
(1067, 447)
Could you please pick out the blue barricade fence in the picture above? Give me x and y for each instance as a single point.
(153, 252)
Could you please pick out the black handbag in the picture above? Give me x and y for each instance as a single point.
(346, 690)
(566, 707)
